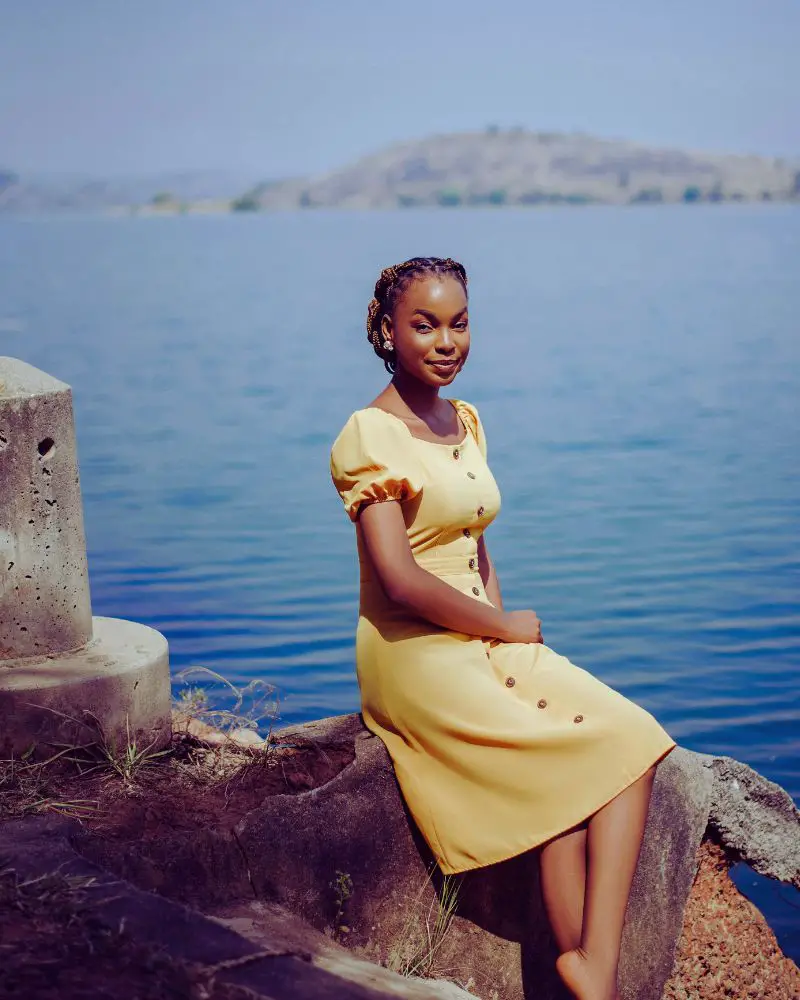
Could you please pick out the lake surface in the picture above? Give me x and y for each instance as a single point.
(636, 369)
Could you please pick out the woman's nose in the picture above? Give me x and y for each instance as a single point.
(445, 343)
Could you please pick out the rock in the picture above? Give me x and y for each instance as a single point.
(241, 737)
(287, 960)
(755, 820)
(356, 824)
(726, 948)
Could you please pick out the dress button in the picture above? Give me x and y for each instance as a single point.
(510, 682)
(456, 453)
(472, 564)
(481, 511)
(467, 532)
(471, 475)
(475, 591)
(578, 718)
(542, 703)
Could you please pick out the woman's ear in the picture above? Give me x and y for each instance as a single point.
(386, 327)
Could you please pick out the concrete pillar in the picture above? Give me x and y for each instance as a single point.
(44, 586)
(57, 664)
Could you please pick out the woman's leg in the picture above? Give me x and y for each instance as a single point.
(613, 842)
(563, 871)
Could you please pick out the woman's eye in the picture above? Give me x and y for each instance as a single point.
(424, 327)
(461, 326)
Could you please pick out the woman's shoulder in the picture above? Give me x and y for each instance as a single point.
(370, 460)
(469, 414)
(368, 429)
(464, 406)
(372, 417)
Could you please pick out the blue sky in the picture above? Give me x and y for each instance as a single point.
(274, 89)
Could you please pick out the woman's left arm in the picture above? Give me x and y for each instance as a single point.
(486, 568)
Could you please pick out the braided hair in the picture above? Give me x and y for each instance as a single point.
(392, 282)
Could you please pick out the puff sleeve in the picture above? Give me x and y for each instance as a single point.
(469, 414)
(372, 461)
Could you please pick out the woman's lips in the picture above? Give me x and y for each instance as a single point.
(444, 366)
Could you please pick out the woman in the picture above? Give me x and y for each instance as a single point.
(499, 744)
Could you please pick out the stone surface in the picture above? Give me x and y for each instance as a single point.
(44, 587)
(755, 820)
(667, 866)
(121, 677)
(727, 950)
(290, 962)
(500, 939)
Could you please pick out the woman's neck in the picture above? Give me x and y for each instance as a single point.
(421, 399)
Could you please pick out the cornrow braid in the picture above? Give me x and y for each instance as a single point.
(392, 282)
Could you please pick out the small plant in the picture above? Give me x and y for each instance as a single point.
(105, 753)
(342, 887)
(416, 950)
(127, 760)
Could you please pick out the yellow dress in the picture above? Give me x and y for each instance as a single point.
(497, 746)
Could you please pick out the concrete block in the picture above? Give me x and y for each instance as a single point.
(44, 587)
(121, 677)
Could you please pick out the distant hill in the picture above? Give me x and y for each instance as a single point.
(498, 167)
(76, 193)
(494, 167)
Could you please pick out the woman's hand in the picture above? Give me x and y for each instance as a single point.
(522, 626)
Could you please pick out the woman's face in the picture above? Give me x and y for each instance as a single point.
(430, 329)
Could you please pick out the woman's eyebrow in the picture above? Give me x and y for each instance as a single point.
(434, 318)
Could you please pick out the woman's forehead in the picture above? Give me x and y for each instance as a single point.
(432, 292)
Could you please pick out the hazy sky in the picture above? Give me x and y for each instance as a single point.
(273, 89)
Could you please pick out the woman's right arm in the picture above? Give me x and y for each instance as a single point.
(406, 583)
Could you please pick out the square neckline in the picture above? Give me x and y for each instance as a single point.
(438, 444)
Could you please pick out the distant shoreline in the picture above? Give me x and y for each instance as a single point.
(124, 213)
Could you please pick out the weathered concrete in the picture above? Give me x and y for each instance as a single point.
(63, 677)
(44, 586)
(357, 824)
(290, 961)
(119, 678)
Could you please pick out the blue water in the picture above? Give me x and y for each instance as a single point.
(637, 374)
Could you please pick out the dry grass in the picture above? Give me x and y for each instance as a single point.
(255, 705)
(211, 756)
(416, 950)
(29, 787)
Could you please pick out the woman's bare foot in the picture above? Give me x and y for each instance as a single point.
(585, 979)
